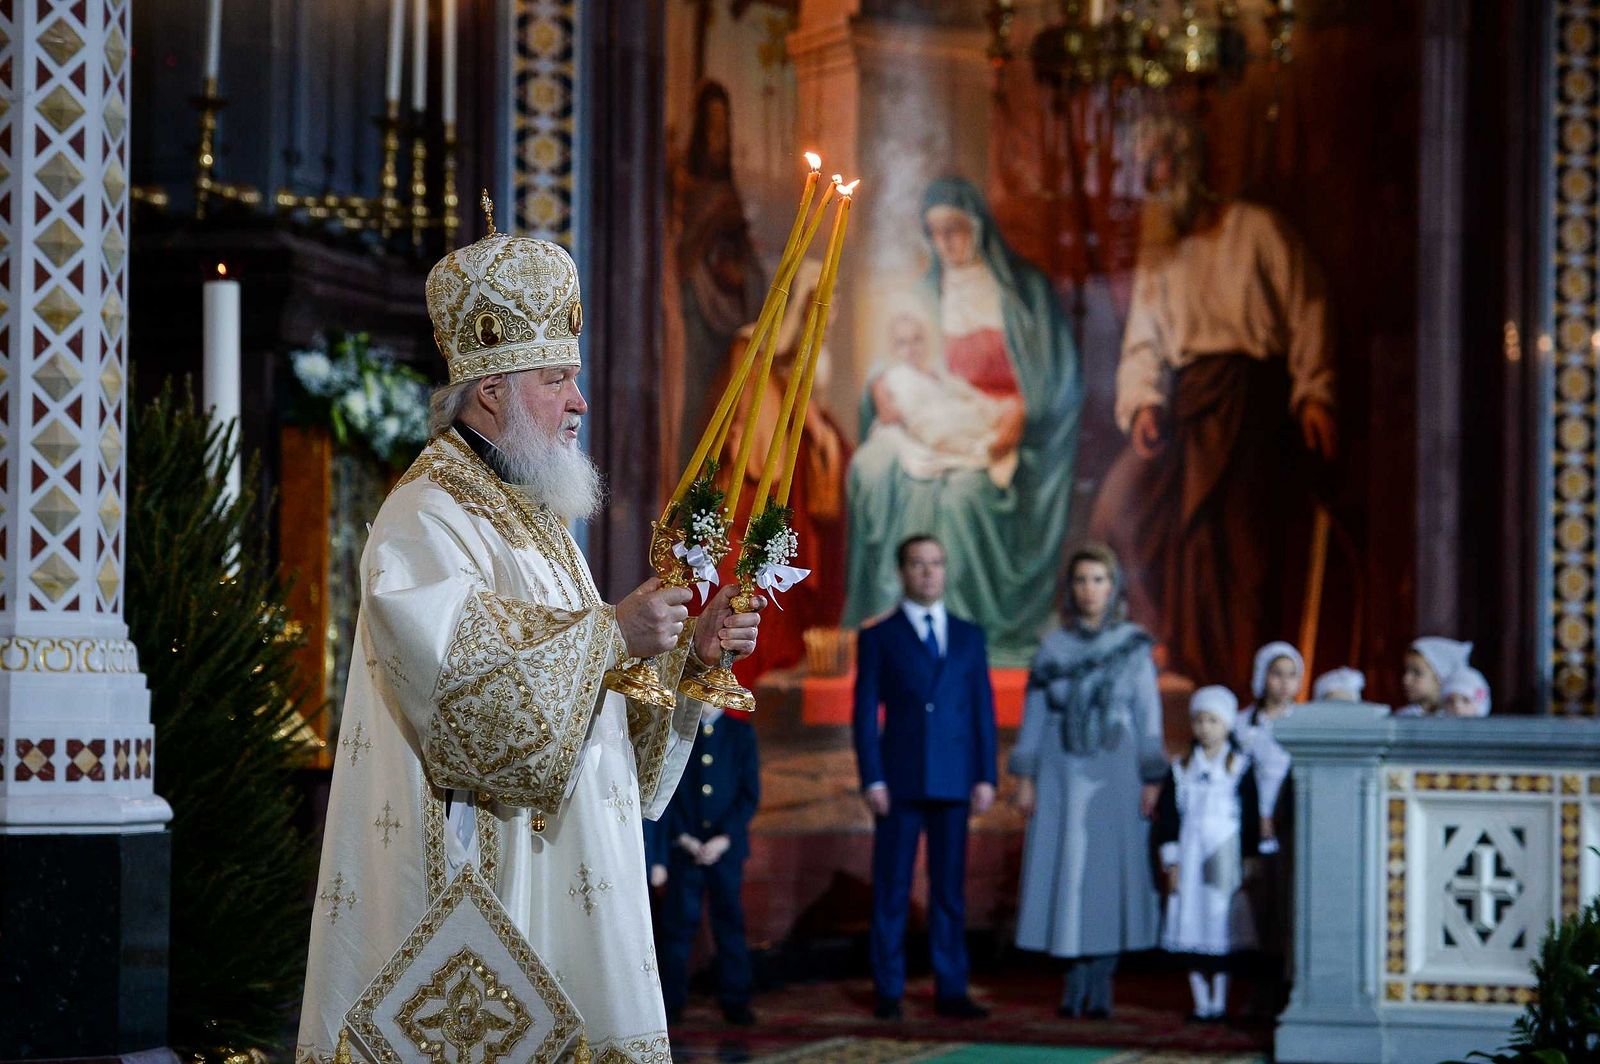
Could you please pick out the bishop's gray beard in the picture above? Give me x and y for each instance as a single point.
(549, 469)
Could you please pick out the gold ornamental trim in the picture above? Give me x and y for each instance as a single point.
(514, 358)
(461, 1012)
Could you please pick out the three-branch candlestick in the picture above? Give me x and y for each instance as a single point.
(719, 686)
(639, 680)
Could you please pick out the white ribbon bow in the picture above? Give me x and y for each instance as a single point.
(705, 570)
(774, 579)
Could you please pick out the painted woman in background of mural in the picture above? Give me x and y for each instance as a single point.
(1000, 508)
(816, 495)
(719, 280)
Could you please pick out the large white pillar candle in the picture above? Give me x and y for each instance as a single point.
(447, 69)
(419, 56)
(213, 40)
(220, 387)
(397, 37)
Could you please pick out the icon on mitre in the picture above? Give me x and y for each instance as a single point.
(465, 987)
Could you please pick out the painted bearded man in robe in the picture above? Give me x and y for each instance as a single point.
(479, 747)
(1226, 344)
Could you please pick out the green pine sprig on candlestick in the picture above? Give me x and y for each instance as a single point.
(764, 531)
(700, 516)
(206, 609)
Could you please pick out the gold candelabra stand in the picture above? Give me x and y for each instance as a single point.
(386, 213)
(206, 187)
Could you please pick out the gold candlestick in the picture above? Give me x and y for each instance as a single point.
(451, 200)
(419, 181)
(209, 103)
(638, 680)
(389, 197)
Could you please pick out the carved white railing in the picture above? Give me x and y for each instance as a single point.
(1431, 856)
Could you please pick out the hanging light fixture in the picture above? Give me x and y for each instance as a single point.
(1141, 44)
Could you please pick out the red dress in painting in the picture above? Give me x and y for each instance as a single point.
(980, 359)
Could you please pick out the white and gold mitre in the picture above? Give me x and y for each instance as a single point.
(505, 304)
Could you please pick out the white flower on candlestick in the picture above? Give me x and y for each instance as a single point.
(782, 547)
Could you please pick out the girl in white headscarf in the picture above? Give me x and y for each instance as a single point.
(1205, 827)
(1275, 681)
(1466, 694)
(1343, 684)
(1430, 661)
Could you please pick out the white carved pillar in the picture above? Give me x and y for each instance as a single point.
(74, 709)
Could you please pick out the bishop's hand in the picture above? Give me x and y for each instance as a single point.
(652, 618)
(720, 629)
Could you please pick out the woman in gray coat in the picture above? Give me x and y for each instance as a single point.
(1091, 760)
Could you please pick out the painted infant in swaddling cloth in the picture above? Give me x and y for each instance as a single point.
(940, 423)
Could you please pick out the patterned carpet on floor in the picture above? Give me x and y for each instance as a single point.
(827, 1021)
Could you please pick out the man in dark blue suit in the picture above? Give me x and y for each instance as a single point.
(932, 762)
(704, 838)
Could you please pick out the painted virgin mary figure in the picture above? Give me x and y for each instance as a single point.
(1002, 515)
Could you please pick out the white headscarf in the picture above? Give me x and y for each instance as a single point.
(1264, 659)
(1470, 682)
(1218, 700)
(1444, 656)
(1343, 678)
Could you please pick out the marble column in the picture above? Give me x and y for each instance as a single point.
(82, 839)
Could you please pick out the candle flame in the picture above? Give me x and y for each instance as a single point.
(814, 161)
(847, 190)
(222, 269)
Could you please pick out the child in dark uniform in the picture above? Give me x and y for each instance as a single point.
(705, 838)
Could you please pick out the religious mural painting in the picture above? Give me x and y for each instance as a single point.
(1070, 309)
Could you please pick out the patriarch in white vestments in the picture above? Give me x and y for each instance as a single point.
(482, 892)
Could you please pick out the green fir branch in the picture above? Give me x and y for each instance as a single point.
(764, 526)
(206, 608)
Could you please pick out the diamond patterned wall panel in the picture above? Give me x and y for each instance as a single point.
(63, 298)
(11, 333)
(1575, 314)
(544, 69)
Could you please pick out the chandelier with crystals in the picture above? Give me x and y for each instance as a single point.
(1134, 44)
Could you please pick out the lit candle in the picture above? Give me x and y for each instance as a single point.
(419, 56)
(811, 347)
(213, 41)
(447, 69)
(789, 410)
(758, 395)
(220, 377)
(397, 37)
(799, 242)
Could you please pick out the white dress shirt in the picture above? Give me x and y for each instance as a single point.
(918, 616)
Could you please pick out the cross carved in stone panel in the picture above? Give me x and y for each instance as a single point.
(1482, 891)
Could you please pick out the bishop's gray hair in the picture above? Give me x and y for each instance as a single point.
(446, 404)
